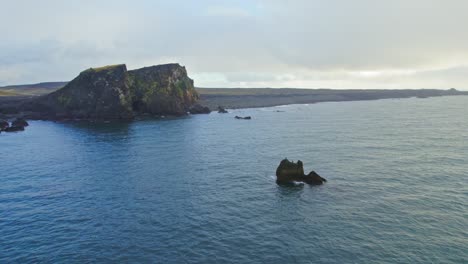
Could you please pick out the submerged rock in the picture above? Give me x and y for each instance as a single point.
(289, 172)
(245, 117)
(199, 109)
(221, 110)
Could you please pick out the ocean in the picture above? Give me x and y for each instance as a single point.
(201, 189)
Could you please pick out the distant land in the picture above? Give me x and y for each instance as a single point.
(256, 97)
(31, 89)
(264, 97)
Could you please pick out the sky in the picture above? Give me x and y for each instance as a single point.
(246, 43)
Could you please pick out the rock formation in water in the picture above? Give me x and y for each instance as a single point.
(17, 125)
(221, 110)
(243, 117)
(112, 92)
(199, 109)
(3, 125)
(19, 122)
(289, 172)
(14, 129)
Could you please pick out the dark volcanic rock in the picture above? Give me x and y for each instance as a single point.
(19, 122)
(289, 172)
(14, 129)
(245, 117)
(199, 109)
(221, 110)
(313, 178)
(97, 93)
(3, 125)
(112, 92)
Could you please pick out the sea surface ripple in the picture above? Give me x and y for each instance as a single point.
(201, 189)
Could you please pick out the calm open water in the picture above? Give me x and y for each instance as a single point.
(201, 189)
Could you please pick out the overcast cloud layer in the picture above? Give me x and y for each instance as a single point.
(310, 44)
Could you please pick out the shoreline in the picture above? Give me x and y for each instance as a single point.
(319, 102)
(338, 101)
(255, 98)
(240, 98)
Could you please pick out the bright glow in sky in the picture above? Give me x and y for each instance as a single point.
(245, 43)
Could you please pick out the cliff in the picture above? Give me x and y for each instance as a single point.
(163, 89)
(112, 92)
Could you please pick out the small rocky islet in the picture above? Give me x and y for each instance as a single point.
(221, 110)
(289, 172)
(199, 109)
(17, 125)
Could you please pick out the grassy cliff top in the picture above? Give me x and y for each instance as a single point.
(106, 68)
(7, 93)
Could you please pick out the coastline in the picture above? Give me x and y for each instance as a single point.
(242, 98)
(319, 102)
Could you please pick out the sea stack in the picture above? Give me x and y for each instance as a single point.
(221, 110)
(112, 92)
(289, 172)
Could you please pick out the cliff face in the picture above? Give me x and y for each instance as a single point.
(163, 89)
(112, 92)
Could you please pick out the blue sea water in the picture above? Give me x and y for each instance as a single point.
(201, 189)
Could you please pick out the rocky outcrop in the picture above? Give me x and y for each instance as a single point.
(221, 110)
(3, 125)
(17, 125)
(14, 129)
(19, 122)
(289, 172)
(112, 92)
(199, 109)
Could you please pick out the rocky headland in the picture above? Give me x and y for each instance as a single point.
(114, 93)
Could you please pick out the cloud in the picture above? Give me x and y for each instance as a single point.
(339, 44)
